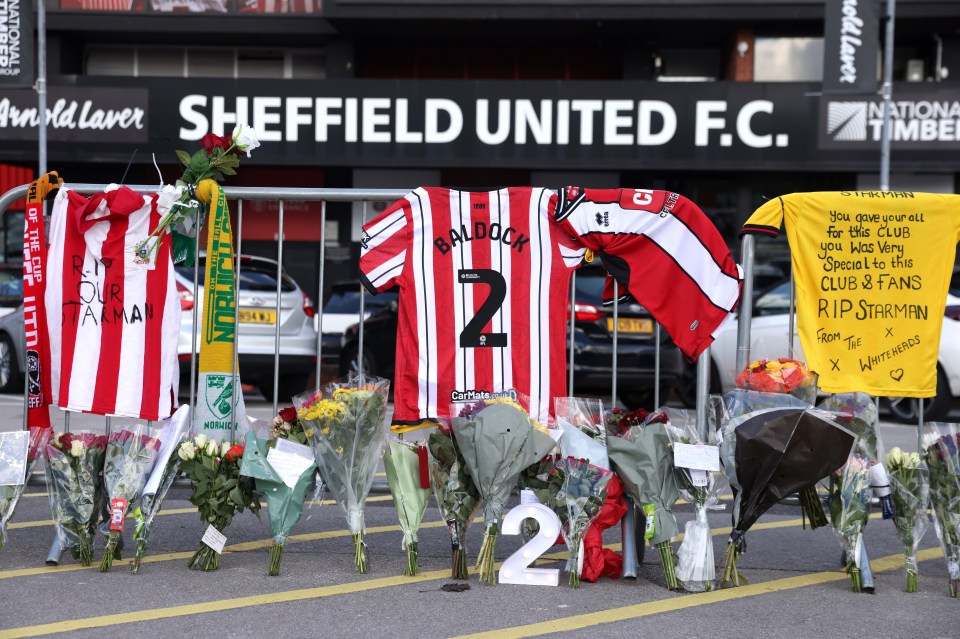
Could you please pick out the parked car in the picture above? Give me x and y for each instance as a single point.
(768, 336)
(593, 346)
(256, 331)
(12, 355)
(11, 287)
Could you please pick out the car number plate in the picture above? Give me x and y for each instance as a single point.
(631, 325)
(256, 316)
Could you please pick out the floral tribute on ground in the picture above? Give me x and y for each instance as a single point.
(498, 439)
(74, 466)
(130, 456)
(20, 451)
(344, 423)
(219, 492)
(910, 486)
(282, 466)
(941, 452)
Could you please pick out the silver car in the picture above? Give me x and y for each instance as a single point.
(256, 331)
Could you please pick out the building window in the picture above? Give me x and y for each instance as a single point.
(687, 65)
(201, 62)
(788, 60)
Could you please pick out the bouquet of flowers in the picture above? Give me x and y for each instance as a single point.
(344, 425)
(131, 454)
(455, 491)
(219, 492)
(765, 443)
(584, 436)
(911, 498)
(858, 413)
(401, 461)
(850, 508)
(498, 439)
(700, 485)
(787, 376)
(941, 443)
(782, 375)
(282, 467)
(19, 451)
(578, 502)
(161, 479)
(217, 157)
(641, 455)
(75, 482)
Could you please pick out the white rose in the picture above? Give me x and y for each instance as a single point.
(200, 440)
(224, 447)
(76, 448)
(245, 138)
(187, 451)
(212, 448)
(895, 457)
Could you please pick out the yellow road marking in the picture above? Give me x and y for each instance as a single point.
(565, 624)
(579, 622)
(180, 511)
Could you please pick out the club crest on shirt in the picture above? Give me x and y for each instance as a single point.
(364, 239)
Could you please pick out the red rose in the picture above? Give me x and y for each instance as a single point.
(288, 414)
(209, 142)
(66, 441)
(235, 452)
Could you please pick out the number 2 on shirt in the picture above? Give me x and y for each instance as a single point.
(471, 336)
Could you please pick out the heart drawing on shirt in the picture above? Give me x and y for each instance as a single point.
(897, 374)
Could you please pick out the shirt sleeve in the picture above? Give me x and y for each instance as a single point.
(766, 220)
(383, 248)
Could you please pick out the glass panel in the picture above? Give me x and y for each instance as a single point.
(260, 65)
(160, 62)
(788, 60)
(109, 61)
(210, 63)
(308, 66)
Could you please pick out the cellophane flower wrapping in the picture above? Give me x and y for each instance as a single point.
(284, 494)
(498, 439)
(782, 375)
(401, 461)
(701, 488)
(130, 456)
(219, 491)
(773, 429)
(161, 479)
(19, 453)
(850, 508)
(910, 491)
(579, 500)
(74, 469)
(344, 424)
(455, 491)
(640, 453)
(858, 413)
(941, 442)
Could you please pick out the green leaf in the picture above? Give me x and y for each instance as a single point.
(226, 170)
(184, 157)
(199, 162)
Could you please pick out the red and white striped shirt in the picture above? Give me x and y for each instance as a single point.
(113, 318)
(665, 251)
(484, 282)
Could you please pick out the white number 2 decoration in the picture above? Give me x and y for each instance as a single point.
(516, 570)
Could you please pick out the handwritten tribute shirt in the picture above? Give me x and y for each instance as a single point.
(872, 270)
(113, 316)
(484, 283)
(664, 251)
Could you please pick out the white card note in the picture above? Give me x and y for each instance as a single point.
(289, 460)
(696, 456)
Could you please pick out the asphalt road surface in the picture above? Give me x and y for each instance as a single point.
(796, 587)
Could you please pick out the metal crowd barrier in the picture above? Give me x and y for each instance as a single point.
(365, 196)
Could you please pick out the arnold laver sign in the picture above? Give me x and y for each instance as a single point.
(850, 40)
(872, 270)
(77, 115)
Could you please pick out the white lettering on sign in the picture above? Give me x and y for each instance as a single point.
(72, 114)
(10, 36)
(521, 121)
(851, 28)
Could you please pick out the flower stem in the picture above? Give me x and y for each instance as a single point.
(85, 548)
(574, 561)
(412, 567)
(911, 581)
(854, 577)
(731, 574)
(458, 565)
(485, 562)
(669, 569)
(138, 555)
(954, 587)
(276, 554)
(360, 554)
(813, 507)
(110, 551)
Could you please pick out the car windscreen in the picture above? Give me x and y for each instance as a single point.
(11, 288)
(254, 276)
(589, 286)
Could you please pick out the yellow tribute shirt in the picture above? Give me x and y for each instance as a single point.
(872, 270)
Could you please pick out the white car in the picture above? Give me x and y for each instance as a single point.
(768, 338)
(256, 332)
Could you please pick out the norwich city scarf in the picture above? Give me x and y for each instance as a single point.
(218, 411)
(37, 376)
